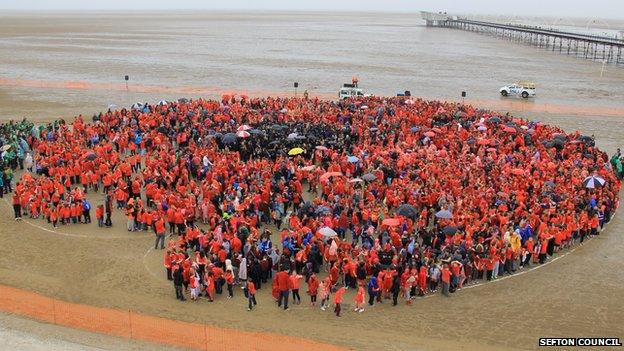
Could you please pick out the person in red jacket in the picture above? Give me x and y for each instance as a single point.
(313, 286)
(338, 300)
(160, 233)
(251, 295)
(446, 280)
(294, 286)
(17, 208)
(229, 280)
(283, 284)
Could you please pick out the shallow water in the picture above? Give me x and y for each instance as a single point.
(204, 53)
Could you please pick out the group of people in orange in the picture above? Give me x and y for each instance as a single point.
(390, 197)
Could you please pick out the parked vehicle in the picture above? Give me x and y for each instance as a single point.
(523, 89)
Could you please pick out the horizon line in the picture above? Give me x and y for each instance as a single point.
(258, 10)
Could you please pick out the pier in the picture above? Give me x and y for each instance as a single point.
(591, 47)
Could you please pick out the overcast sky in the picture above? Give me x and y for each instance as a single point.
(555, 8)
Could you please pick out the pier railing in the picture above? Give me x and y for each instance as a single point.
(588, 46)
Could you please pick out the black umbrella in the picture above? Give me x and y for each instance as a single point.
(256, 132)
(495, 119)
(586, 138)
(407, 210)
(229, 138)
(163, 130)
(548, 144)
(183, 100)
(323, 210)
(449, 230)
(369, 177)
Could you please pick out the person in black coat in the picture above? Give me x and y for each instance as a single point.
(395, 289)
(178, 280)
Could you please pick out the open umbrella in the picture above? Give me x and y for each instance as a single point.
(292, 136)
(321, 147)
(407, 210)
(243, 134)
(430, 134)
(483, 141)
(229, 138)
(308, 168)
(391, 222)
(353, 159)
(449, 230)
(593, 181)
(327, 232)
(243, 127)
(5, 147)
(444, 214)
(510, 130)
(328, 175)
(162, 102)
(482, 128)
(355, 180)
(296, 151)
(414, 129)
(90, 156)
(322, 210)
(255, 131)
(183, 100)
(495, 120)
(369, 177)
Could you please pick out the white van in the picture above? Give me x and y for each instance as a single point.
(350, 91)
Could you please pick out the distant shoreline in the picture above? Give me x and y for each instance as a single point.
(8, 12)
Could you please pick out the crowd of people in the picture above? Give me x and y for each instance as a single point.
(391, 197)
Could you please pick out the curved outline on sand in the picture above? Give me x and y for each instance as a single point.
(73, 235)
(480, 283)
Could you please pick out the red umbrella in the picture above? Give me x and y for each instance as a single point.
(517, 171)
(391, 222)
(321, 147)
(491, 149)
(243, 134)
(510, 130)
(430, 134)
(483, 141)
